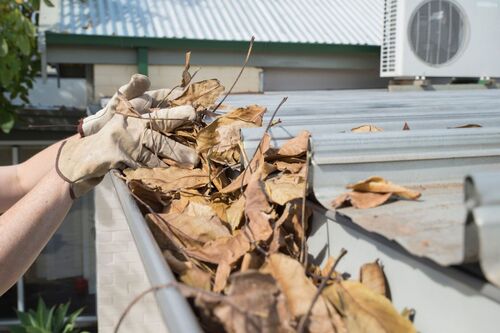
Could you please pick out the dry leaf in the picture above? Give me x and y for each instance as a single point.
(235, 213)
(364, 311)
(366, 128)
(202, 95)
(168, 179)
(299, 292)
(372, 276)
(289, 167)
(285, 188)
(406, 127)
(361, 200)
(468, 126)
(294, 147)
(222, 137)
(377, 184)
(188, 273)
(258, 210)
(186, 76)
(256, 296)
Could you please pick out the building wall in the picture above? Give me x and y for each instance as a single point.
(279, 79)
(120, 272)
(107, 78)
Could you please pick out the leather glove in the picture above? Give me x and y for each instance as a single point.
(125, 142)
(132, 96)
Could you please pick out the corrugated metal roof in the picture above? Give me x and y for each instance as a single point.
(429, 157)
(347, 22)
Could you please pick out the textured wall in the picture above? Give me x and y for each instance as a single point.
(107, 78)
(120, 273)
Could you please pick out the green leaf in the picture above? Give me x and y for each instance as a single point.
(6, 122)
(17, 329)
(4, 48)
(23, 43)
(48, 3)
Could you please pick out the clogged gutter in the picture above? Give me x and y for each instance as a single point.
(236, 237)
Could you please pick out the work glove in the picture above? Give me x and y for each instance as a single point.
(131, 98)
(125, 142)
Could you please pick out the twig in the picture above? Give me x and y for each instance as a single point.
(303, 320)
(239, 75)
(303, 245)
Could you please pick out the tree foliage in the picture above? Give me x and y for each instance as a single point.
(19, 58)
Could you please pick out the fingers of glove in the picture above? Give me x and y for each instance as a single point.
(142, 103)
(137, 85)
(151, 160)
(169, 119)
(161, 95)
(166, 147)
(92, 124)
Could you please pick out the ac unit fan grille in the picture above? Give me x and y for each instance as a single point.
(437, 31)
(388, 59)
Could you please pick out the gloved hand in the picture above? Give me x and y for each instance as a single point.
(132, 95)
(124, 142)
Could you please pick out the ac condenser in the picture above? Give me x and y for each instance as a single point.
(441, 38)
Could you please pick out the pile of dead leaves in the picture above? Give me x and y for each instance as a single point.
(233, 230)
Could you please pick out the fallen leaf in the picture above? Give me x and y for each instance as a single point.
(258, 209)
(221, 275)
(467, 126)
(377, 184)
(256, 296)
(361, 200)
(294, 147)
(365, 311)
(188, 273)
(299, 292)
(186, 76)
(202, 95)
(366, 128)
(289, 167)
(406, 127)
(285, 188)
(221, 138)
(235, 213)
(168, 179)
(372, 276)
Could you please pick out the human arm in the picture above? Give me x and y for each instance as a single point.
(22, 178)
(29, 224)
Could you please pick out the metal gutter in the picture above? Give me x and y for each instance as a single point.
(53, 38)
(175, 310)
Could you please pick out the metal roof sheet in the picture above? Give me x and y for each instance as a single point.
(346, 22)
(429, 157)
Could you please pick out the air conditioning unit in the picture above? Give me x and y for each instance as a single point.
(441, 38)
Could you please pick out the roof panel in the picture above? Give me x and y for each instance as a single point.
(350, 22)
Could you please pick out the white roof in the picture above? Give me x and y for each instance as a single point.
(347, 22)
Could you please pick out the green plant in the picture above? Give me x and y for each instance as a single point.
(19, 58)
(45, 320)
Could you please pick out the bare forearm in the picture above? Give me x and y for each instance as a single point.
(17, 180)
(27, 227)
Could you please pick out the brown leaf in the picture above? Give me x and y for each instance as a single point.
(299, 292)
(168, 179)
(294, 147)
(198, 221)
(365, 311)
(251, 260)
(361, 200)
(372, 275)
(201, 95)
(406, 127)
(377, 184)
(228, 249)
(221, 275)
(366, 128)
(243, 178)
(289, 167)
(222, 137)
(188, 273)
(235, 213)
(258, 210)
(285, 188)
(256, 296)
(467, 126)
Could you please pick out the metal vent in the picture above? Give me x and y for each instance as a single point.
(437, 31)
(388, 59)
